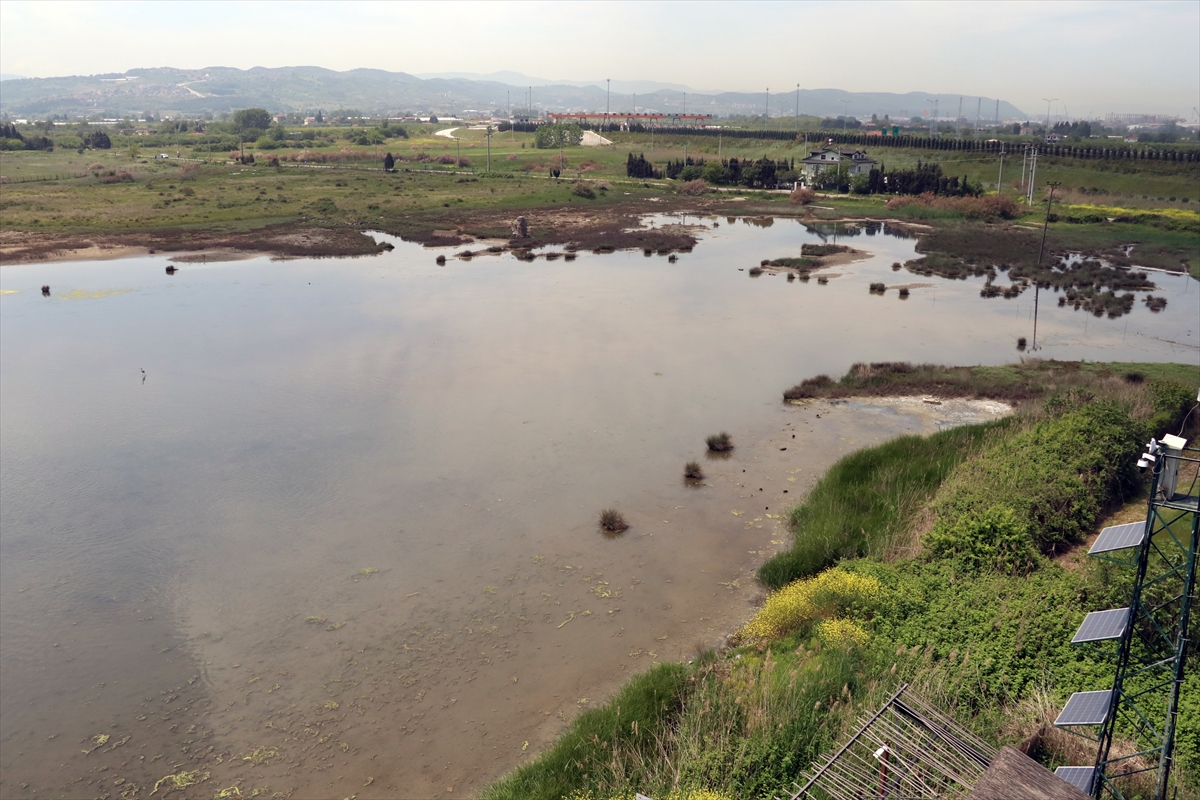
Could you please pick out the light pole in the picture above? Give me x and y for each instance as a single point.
(1048, 102)
(607, 99)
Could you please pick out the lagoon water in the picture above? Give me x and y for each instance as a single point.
(328, 526)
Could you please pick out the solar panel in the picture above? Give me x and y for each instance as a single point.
(1100, 625)
(1079, 777)
(1118, 537)
(1085, 708)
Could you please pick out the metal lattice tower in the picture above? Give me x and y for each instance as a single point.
(1148, 639)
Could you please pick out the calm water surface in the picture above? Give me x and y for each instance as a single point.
(339, 536)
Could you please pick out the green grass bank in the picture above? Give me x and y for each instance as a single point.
(950, 561)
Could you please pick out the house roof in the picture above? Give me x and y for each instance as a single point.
(857, 156)
(1012, 775)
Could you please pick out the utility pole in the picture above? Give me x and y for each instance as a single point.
(797, 108)
(997, 114)
(1037, 283)
(845, 111)
(489, 148)
(1000, 177)
(958, 121)
(1032, 174)
(933, 130)
(978, 113)
(767, 109)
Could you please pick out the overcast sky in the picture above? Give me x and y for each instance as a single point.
(1094, 56)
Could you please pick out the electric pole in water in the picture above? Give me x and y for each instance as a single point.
(1037, 283)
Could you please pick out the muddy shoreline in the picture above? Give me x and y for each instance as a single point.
(606, 228)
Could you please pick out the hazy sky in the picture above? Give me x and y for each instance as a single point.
(1094, 56)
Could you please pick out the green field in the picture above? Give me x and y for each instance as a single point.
(127, 191)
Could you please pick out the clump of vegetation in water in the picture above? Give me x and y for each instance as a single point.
(818, 250)
(612, 521)
(720, 442)
(1155, 303)
(754, 272)
(692, 471)
(878, 288)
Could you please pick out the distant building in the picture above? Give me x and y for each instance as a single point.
(856, 162)
(310, 120)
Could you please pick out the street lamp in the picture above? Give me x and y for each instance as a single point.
(797, 108)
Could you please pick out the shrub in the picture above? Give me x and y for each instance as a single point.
(613, 521)
(720, 442)
(694, 187)
(997, 539)
(692, 471)
(583, 189)
(989, 207)
(1056, 477)
(802, 196)
(830, 594)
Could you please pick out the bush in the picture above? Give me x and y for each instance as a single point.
(694, 187)
(996, 540)
(989, 207)
(802, 195)
(831, 594)
(583, 189)
(720, 442)
(692, 471)
(1055, 477)
(613, 521)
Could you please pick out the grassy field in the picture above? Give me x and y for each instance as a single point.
(127, 192)
(983, 636)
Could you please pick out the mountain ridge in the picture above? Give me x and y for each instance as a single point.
(217, 89)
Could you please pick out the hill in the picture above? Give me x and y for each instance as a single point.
(214, 90)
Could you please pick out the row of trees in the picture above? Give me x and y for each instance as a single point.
(12, 139)
(765, 173)
(639, 167)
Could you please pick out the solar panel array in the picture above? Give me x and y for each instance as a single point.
(1119, 537)
(1099, 626)
(1079, 777)
(1085, 708)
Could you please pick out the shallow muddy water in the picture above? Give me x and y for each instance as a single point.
(326, 528)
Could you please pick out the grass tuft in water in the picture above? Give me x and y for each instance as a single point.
(720, 442)
(612, 521)
(692, 471)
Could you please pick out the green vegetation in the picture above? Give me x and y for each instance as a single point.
(329, 177)
(920, 560)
